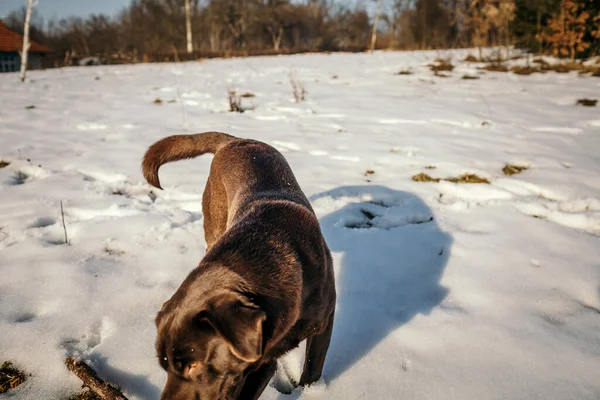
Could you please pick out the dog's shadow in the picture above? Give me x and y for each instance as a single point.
(138, 385)
(393, 257)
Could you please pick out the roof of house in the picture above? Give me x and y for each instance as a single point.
(11, 41)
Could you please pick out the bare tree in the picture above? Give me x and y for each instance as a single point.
(26, 44)
(188, 26)
(375, 25)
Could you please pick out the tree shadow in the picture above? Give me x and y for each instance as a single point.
(394, 255)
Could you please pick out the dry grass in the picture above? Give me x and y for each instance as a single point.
(468, 178)
(406, 71)
(564, 68)
(423, 177)
(495, 68)
(471, 58)
(113, 252)
(248, 95)
(430, 167)
(465, 178)
(10, 377)
(4, 164)
(297, 89)
(527, 70)
(469, 77)
(158, 101)
(369, 172)
(510, 169)
(587, 102)
(441, 65)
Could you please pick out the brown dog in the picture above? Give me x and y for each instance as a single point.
(265, 284)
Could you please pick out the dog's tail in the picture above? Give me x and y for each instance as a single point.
(180, 147)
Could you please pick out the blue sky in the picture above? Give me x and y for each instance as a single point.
(64, 8)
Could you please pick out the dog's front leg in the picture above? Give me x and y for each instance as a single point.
(257, 381)
(316, 350)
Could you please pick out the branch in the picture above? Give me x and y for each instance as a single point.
(91, 379)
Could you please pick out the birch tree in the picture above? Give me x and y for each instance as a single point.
(375, 25)
(25, 52)
(188, 26)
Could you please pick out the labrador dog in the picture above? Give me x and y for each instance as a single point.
(265, 284)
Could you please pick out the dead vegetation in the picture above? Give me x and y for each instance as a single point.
(526, 70)
(297, 89)
(465, 178)
(494, 67)
(587, 102)
(235, 101)
(158, 101)
(423, 177)
(471, 58)
(10, 377)
(99, 388)
(468, 178)
(369, 172)
(441, 64)
(4, 164)
(469, 77)
(512, 169)
(405, 71)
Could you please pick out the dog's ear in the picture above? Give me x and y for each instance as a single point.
(239, 322)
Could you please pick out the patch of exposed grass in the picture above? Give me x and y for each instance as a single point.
(468, 178)
(510, 169)
(495, 68)
(248, 95)
(430, 167)
(465, 178)
(423, 177)
(10, 377)
(113, 252)
(441, 65)
(527, 70)
(564, 68)
(543, 63)
(158, 101)
(405, 71)
(471, 58)
(469, 77)
(369, 172)
(587, 102)
(4, 164)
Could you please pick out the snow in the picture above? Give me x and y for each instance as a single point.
(446, 290)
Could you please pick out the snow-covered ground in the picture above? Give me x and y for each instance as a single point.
(446, 290)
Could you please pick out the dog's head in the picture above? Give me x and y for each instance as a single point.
(206, 345)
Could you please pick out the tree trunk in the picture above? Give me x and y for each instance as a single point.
(188, 26)
(375, 24)
(26, 44)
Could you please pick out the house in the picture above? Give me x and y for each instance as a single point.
(11, 43)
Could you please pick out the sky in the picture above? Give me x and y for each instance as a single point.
(63, 8)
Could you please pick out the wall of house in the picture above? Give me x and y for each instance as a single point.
(11, 62)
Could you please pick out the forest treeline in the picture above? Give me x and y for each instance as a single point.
(155, 30)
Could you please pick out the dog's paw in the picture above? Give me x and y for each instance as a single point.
(283, 383)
